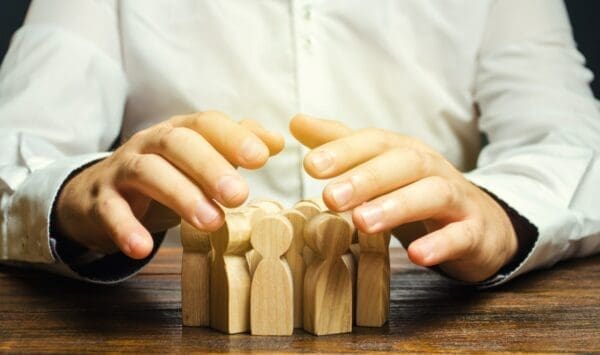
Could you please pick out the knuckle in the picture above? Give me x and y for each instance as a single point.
(169, 137)
(422, 162)
(139, 135)
(212, 115)
(373, 131)
(95, 189)
(135, 167)
(249, 122)
(101, 207)
(444, 189)
(401, 205)
(367, 178)
(471, 237)
(379, 138)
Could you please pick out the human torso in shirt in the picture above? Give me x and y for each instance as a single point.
(406, 66)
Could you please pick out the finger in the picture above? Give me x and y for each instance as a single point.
(452, 242)
(236, 143)
(158, 179)
(384, 173)
(116, 217)
(313, 132)
(339, 155)
(429, 198)
(196, 157)
(274, 141)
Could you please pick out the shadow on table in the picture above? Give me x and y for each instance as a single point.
(140, 303)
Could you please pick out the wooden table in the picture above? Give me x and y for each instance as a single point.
(552, 310)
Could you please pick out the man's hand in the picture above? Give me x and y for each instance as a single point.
(177, 167)
(391, 180)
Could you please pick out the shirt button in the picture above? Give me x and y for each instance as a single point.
(307, 43)
(307, 13)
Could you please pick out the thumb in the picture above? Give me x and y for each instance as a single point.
(313, 132)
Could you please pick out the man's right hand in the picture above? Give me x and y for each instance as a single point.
(185, 164)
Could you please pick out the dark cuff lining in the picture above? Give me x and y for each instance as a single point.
(115, 267)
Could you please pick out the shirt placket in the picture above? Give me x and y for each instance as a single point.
(306, 60)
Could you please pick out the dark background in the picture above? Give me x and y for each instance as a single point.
(584, 17)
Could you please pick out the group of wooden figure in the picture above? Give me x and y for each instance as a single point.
(269, 270)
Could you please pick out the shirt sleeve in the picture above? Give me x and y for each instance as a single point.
(62, 96)
(543, 126)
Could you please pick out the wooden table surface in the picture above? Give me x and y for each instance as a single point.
(551, 311)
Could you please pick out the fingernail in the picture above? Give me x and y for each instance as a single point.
(134, 241)
(322, 160)
(341, 193)
(229, 187)
(371, 215)
(205, 213)
(251, 150)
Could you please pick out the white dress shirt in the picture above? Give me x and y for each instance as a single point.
(81, 72)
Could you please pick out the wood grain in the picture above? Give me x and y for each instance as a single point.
(271, 293)
(373, 280)
(256, 210)
(327, 300)
(296, 262)
(195, 276)
(554, 310)
(309, 208)
(230, 276)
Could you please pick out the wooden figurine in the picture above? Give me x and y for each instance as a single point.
(256, 210)
(295, 260)
(230, 277)
(309, 208)
(317, 201)
(195, 276)
(327, 283)
(373, 284)
(349, 256)
(271, 293)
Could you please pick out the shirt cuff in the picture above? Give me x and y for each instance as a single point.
(76, 261)
(28, 219)
(30, 243)
(540, 241)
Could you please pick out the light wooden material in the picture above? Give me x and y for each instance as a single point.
(195, 276)
(252, 259)
(373, 283)
(309, 208)
(327, 283)
(350, 257)
(355, 250)
(296, 262)
(230, 277)
(271, 293)
(267, 206)
(317, 201)
(347, 216)
(256, 210)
